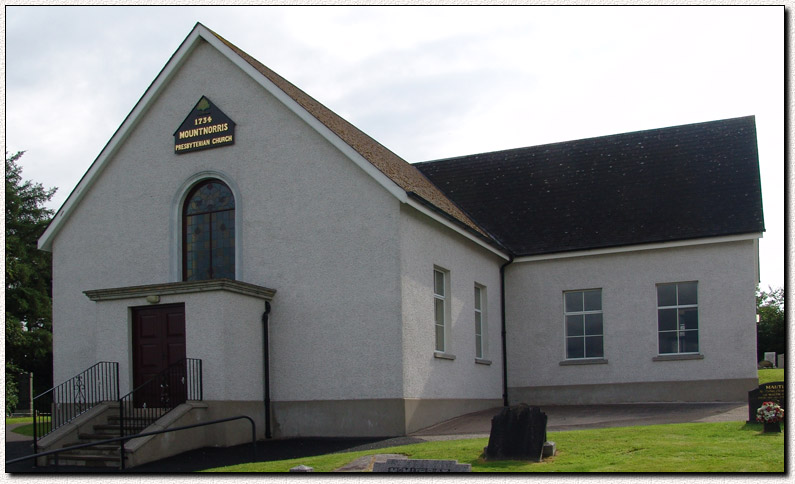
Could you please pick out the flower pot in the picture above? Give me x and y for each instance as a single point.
(772, 427)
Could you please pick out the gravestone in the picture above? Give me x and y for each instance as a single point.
(767, 392)
(421, 465)
(771, 357)
(517, 433)
(780, 360)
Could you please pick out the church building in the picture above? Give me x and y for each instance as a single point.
(302, 274)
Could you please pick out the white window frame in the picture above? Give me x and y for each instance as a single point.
(441, 300)
(480, 308)
(679, 329)
(583, 336)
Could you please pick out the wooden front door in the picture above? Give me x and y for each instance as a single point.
(158, 343)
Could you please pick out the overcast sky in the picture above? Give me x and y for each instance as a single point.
(427, 83)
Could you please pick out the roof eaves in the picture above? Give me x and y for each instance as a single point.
(477, 236)
(632, 247)
(386, 167)
(399, 171)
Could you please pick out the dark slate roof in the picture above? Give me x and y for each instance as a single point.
(684, 182)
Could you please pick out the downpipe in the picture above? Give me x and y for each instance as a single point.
(266, 370)
(504, 333)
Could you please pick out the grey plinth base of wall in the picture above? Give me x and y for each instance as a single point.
(385, 417)
(734, 390)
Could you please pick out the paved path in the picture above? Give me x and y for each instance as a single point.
(578, 417)
(15, 437)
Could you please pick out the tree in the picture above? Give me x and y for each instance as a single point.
(28, 301)
(771, 330)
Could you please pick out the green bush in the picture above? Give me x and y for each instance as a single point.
(12, 394)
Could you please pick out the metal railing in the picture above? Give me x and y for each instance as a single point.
(160, 394)
(138, 409)
(145, 434)
(63, 403)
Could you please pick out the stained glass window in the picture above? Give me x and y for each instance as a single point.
(209, 232)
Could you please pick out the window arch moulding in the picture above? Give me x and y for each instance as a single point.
(176, 221)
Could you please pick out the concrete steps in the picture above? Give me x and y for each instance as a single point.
(103, 455)
(103, 423)
(82, 457)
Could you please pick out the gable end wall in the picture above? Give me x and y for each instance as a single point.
(314, 227)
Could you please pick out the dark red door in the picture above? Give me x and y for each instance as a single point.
(158, 344)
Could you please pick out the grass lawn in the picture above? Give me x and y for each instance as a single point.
(772, 374)
(28, 428)
(16, 420)
(692, 447)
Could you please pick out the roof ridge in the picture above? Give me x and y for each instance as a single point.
(683, 182)
(401, 172)
(590, 138)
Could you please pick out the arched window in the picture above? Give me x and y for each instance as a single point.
(208, 232)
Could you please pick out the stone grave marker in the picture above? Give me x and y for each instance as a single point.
(517, 433)
(421, 465)
(771, 357)
(780, 360)
(767, 392)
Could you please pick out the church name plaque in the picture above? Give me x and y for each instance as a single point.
(205, 127)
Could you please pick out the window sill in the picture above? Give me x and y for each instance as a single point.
(593, 361)
(689, 356)
(481, 361)
(443, 356)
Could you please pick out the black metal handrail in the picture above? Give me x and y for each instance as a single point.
(160, 394)
(145, 434)
(74, 397)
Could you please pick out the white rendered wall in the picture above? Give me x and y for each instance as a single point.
(726, 278)
(312, 225)
(223, 329)
(425, 244)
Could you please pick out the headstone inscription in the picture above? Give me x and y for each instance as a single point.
(767, 392)
(771, 357)
(517, 433)
(421, 465)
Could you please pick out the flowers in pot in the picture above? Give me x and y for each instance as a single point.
(770, 414)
